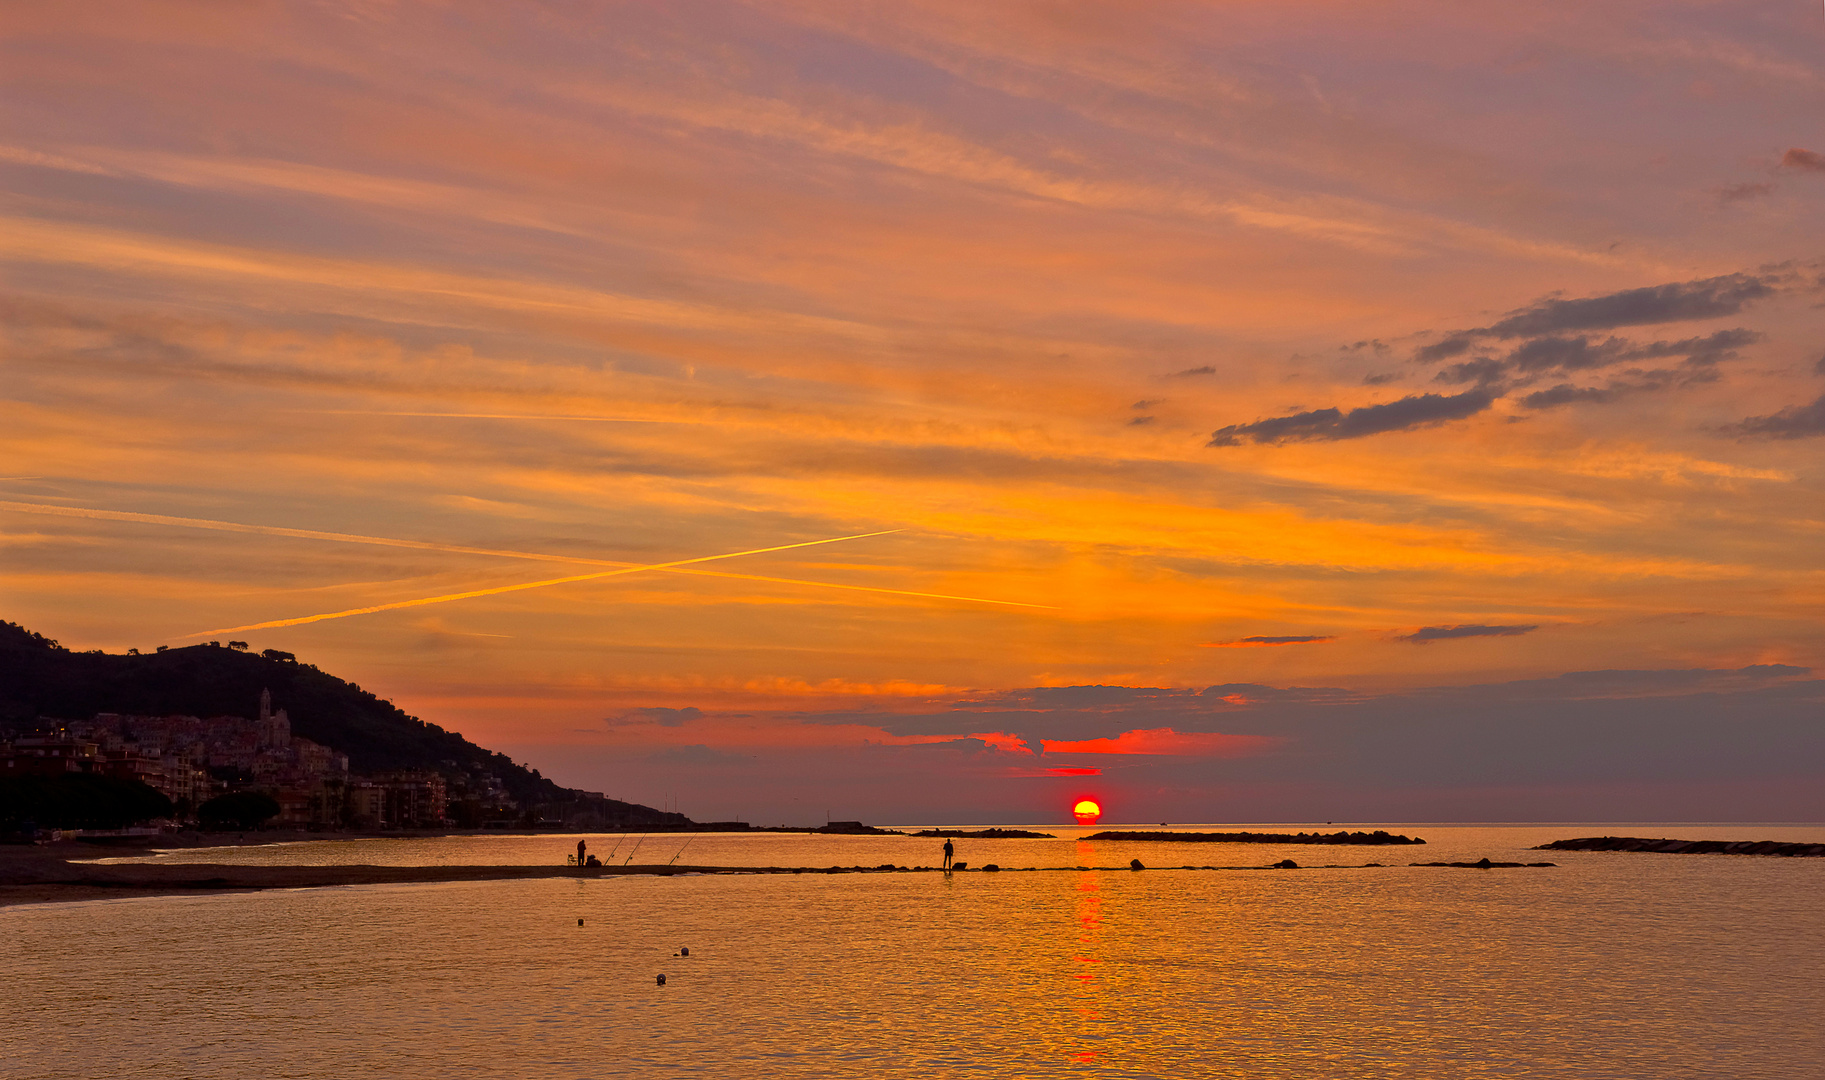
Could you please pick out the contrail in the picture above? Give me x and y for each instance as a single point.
(423, 545)
(863, 588)
(300, 534)
(499, 416)
(497, 590)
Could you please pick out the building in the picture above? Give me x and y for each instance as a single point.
(50, 755)
(412, 800)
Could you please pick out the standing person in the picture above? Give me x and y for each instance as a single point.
(580, 846)
(948, 852)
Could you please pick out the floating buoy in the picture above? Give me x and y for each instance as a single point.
(686, 951)
(662, 980)
(579, 922)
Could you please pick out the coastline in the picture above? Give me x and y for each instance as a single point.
(38, 876)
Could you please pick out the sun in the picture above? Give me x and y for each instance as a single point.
(1086, 811)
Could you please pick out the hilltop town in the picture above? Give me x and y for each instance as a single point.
(186, 735)
(192, 760)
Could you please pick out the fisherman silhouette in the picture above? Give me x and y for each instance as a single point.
(580, 846)
(948, 852)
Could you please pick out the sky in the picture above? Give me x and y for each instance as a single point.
(938, 412)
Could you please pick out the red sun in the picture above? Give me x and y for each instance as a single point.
(1086, 811)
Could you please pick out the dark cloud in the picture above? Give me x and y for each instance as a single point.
(697, 754)
(1803, 160)
(1419, 410)
(1730, 193)
(1793, 422)
(1565, 394)
(1263, 640)
(1425, 635)
(1455, 345)
(1205, 370)
(1379, 378)
(1818, 367)
(1139, 420)
(1557, 354)
(1558, 341)
(1143, 406)
(1681, 301)
(662, 716)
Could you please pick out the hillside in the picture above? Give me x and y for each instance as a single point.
(39, 678)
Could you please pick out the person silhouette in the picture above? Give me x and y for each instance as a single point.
(580, 846)
(948, 852)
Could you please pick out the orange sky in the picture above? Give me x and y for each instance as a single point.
(1054, 297)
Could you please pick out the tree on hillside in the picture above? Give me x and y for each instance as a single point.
(79, 801)
(238, 810)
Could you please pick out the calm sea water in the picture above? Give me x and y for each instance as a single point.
(1610, 965)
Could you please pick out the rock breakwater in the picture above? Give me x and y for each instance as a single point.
(1379, 836)
(1686, 847)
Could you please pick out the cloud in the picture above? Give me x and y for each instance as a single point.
(1793, 422)
(1426, 635)
(1155, 741)
(664, 717)
(1026, 771)
(696, 754)
(1263, 641)
(1205, 370)
(1418, 410)
(1682, 301)
(1803, 160)
(1565, 394)
(1559, 337)
(1730, 193)
(1737, 743)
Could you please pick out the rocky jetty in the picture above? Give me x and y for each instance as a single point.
(1379, 836)
(987, 834)
(1483, 864)
(1686, 847)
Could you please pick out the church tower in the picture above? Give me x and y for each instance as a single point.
(274, 728)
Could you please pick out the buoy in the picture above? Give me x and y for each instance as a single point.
(662, 980)
(1135, 864)
(684, 951)
(579, 922)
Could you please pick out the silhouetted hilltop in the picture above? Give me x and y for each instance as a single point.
(39, 678)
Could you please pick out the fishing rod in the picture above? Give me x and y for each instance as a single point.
(687, 843)
(631, 854)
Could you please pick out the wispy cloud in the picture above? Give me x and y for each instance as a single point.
(1426, 635)
(1265, 641)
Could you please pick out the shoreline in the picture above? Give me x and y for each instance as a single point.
(42, 878)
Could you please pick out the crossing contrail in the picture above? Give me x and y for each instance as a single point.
(299, 534)
(497, 590)
(458, 549)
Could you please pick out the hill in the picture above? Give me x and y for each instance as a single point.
(40, 678)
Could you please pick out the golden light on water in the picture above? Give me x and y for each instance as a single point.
(1087, 811)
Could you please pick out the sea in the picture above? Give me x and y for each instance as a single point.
(1609, 964)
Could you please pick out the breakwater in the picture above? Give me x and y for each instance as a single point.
(1686, 847)
(1379, 836)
